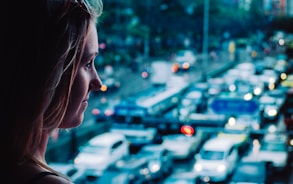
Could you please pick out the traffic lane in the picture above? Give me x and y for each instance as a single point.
(132, 83)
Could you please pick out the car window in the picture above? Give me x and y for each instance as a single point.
(116, 145)
(231, 151)
(212, 155)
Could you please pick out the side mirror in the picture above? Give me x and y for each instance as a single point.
(197, 156)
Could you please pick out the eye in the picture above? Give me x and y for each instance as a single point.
(89, 65)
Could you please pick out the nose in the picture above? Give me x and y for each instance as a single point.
(96, 82)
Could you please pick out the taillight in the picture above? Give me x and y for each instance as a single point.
(187, 130)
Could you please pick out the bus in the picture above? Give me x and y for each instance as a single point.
(151, 103)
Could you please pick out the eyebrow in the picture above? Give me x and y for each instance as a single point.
(90, 55)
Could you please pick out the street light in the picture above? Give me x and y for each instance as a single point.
(205, 38)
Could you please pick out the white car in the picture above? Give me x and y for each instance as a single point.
(216, 160)
(237, 132)
(135, 135)
(68, 169)
(185, 177)
(100, 152)
(182, 146)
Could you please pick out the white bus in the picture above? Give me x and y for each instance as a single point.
(152, 103)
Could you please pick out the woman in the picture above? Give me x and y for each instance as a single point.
(50, 46)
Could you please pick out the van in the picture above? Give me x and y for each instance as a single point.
(161, 72)
(216, 160)
(100, 152)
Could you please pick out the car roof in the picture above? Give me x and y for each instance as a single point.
(251, 171)
(153, 148)
(106, 138)
(218, 144)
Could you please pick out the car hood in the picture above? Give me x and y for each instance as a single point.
(275, 157)
(210, 164)
(88, 159)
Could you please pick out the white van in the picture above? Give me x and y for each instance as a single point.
(100, 152)
(160, 72)
(216, 160)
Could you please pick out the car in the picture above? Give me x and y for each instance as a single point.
(100, 152)
(216, 160)
(104, 111)
(110, 84)
(184, 60)
(250, 121)
(270, 108)
(237, 132)
(160, 72)
(160, 160)
(191, 102)
(137, 136)
(271, 148)
(184, 177)
(183, 146)
(254, 172)
(126, 171)
(216, 86)
(270, 78)
(67, 169)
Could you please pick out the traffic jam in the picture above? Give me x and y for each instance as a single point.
(233, 127)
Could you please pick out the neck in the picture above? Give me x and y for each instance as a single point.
(41, 151)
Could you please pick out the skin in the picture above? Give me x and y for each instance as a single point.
(86, 80)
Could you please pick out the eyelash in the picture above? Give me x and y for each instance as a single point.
(89, 65)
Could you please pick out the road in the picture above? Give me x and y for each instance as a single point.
(131, 83)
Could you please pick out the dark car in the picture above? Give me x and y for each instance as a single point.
(126, 171)
(253, 172)
(104, 111)
(160, 160)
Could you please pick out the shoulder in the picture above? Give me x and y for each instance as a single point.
(32, 174)
(50, 178)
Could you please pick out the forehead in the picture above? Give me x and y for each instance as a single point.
(92, 45)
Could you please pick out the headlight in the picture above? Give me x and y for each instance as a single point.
(272, 112)
(154, 167)
(221, 168)
(198, 167)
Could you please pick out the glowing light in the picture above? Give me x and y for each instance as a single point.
(187, 130)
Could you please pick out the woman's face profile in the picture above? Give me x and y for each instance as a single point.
(86, 80)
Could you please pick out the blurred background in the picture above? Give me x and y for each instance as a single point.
(180, 72)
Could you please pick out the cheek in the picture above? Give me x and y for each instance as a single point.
(79, 93)
(79, 89)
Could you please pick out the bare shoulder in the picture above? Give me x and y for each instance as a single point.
(54, 179)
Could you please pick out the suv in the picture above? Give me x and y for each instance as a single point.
(100, 152)
(216, 160)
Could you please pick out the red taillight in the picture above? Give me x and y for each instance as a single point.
(96, 112)
(144, 74)
(109, 112)
(175, 68)
(187, 130)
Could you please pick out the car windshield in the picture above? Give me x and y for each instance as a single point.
(273, 147)
(212, 155)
